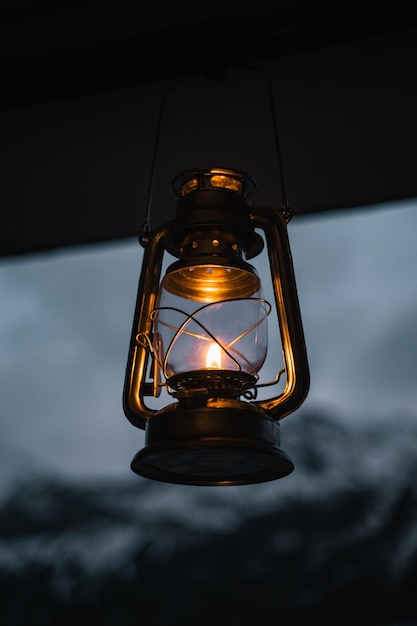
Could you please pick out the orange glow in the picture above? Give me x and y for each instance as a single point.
(213, 359)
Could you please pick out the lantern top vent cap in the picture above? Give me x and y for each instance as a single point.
(214, 178)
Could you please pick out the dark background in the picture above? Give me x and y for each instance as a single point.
(83, 83)
(82, 86)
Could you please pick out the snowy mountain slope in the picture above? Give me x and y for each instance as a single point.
(335, 541)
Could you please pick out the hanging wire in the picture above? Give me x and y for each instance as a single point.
(286, 209)
(146, 227)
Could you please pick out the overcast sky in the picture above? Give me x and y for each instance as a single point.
(66, 319)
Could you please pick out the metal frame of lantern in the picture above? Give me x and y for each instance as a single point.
(209, 435)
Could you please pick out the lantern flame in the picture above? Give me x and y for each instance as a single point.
(213, 359)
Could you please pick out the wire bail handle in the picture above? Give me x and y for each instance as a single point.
(145, 229)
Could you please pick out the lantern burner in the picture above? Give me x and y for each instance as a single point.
(214, 383)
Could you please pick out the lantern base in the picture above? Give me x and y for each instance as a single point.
(234, 444)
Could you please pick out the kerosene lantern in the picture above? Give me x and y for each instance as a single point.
(200, 331)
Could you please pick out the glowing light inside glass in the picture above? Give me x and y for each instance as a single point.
(213, 358)
(211, 325)
(210, 283)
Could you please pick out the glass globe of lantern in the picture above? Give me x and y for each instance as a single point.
(211, 317)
